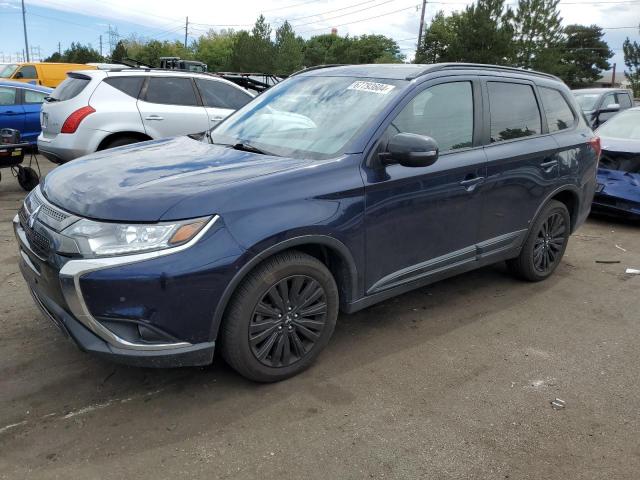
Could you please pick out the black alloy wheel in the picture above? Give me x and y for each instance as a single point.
(549, 243)
(288, 321)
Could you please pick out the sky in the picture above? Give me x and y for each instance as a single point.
(50, 22)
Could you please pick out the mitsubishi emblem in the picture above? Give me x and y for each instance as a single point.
(32, 218)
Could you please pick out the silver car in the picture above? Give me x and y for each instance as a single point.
(96, 109)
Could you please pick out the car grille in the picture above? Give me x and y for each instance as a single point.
(55, 214)
(40, 244)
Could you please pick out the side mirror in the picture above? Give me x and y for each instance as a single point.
(410, 150)
(612, 107)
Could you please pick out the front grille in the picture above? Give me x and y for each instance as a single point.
(40, 244)
(55, 214)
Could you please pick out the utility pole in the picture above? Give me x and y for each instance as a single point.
(424, 7)
(59, 49)
(100, 45)
(24, 26)
(613, 77)
(186, 32)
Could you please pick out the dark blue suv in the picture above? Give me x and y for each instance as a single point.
(336, 189)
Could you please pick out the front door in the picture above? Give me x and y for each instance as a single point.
(420, 221)
(11, 112)
(169, 106)
(221, 99)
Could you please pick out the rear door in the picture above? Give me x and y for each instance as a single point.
(170, 106)
(11, 112)
(221, 99)
(32, 104)
(522, 167)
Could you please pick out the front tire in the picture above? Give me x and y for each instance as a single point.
(280, 318)
(545, 244)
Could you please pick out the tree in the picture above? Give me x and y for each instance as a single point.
(288, 50)
(538, 35)
(632, 62)
(327, 48)
(119, 52)
(483, 34)
(374, 49)
(436, 40)
(586, 55)
(215, 49)
(55, 57)
(77, 53)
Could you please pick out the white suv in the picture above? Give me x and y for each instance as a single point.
(95, 109)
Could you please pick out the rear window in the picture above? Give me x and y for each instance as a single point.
(559, 114)
(514, 111)
(129, 85)
(70, 88)
(171, 91)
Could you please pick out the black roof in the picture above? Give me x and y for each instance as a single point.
(409, 71)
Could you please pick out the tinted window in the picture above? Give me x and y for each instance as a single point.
(559, 114)
(624, 100)
(587, 101)
(514, 111)
(171, 91)
(70, 88)
(31, 96)
(7, 96)
(129, 85)
(442, 112)
(220, 95)
(28, 71)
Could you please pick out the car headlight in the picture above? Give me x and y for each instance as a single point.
(102, 238)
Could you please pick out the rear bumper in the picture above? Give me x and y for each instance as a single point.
(606, 205)
(65, 147)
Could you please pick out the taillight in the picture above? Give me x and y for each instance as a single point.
(595, 144)
(72, 122)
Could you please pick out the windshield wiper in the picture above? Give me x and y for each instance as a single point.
(246, 147)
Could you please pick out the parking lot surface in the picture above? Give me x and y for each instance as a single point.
(452, 381)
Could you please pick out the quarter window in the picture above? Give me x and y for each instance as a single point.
(514, 111)
(129, 85)
(559, 114)
(220, 95)
(31, 96)
(7, 96)
(443, 112)
(171, 91)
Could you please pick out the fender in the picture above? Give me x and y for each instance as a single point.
(567, 187)
(278, 247)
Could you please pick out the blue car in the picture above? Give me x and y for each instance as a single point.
(20, 105)
(618, 190)
(337, 188)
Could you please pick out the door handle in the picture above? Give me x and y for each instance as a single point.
(217, 119)
(470, 183)
(154, 117)
(549, 164)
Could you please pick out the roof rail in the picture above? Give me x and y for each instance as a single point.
(318, 67)
(467, 66)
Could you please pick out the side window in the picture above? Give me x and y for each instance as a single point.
(609, 99)
(624, 100)
(220, 95)
(559, 114)
(171, 91)
(7, 96)
(443, 112)
(514, 111)
(31, 96)
(28, 71)
(129, 85)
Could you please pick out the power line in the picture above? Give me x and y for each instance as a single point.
(331, 11)
(289, 6)
(344, 14)
(362, 20)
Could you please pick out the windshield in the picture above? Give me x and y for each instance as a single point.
(625, 125)
(587, 101)
(7, 71)
(308, 117)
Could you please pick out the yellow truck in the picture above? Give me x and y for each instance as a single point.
(48, 74)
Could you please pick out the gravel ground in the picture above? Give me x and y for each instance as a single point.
(452, 381)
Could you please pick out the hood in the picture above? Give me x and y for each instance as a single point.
(619, 184)
(612, 144)
(140, 182)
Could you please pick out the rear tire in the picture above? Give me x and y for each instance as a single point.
(280, 318)
(545, 244)
(119, 142)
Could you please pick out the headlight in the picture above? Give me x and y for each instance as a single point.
(98, 238)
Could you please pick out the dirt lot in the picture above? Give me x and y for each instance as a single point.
(451, 381)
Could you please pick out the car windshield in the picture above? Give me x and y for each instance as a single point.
(625, 125)
(8, 70)
(308, 117)
(587, 101)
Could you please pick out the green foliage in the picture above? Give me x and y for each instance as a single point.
(215, 49)
(632, 62)
(437, 40)
(77, 53)
(586, 55)
(288, 50)
(119, 52)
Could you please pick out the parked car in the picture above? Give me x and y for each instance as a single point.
(600, 104)
(47, 74)
(97, 110)
(618, 190)
(335, 189)
(20, 108)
